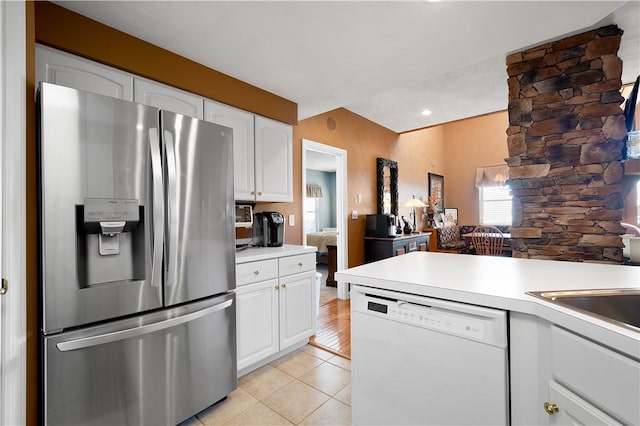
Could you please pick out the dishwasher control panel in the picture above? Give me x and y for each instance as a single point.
(430, 317)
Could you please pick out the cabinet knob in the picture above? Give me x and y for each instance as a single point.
(283, 285)
(256, 272)
(276, 287)
(4, 287)
(253, 192)
(551, 408)
(259, 192)
(299, 263)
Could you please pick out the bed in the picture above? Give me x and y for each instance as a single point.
(326, 250)
(321, 239)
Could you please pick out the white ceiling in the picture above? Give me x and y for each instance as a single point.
(383, 60)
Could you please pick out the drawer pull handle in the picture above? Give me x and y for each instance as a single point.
(299, 263)
(551, 408)
(283, 285)
(256, 272)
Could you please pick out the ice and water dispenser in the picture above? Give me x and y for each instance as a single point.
(111, 240)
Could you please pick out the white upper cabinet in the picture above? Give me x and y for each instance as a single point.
(274, 160)
(243, 145)
(263, 154)
(54, 66)
(262, 148)
(168, 98)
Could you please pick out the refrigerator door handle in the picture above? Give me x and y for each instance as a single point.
(172, 211)
(158, 207)
(87, 342)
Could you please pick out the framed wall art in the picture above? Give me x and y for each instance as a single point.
(436, 188)
(451, 215)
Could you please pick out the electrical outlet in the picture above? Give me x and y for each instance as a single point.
(292, 220)
(354, 214)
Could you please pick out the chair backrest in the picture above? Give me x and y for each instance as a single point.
(487, 240)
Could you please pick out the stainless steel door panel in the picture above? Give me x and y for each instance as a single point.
(157, 369)
(93, 146)
(200, 235)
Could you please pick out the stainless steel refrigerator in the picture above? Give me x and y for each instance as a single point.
(137, 261)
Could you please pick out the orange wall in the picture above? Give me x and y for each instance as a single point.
(469, 144)
(364, 141)
(453, 150)
(66, 30)
(419, 153)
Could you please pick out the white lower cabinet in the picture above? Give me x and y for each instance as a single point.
(276, 314)
(296, 308)
(569, 409)
(257, 321)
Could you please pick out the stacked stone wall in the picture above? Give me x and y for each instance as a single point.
(565, 140)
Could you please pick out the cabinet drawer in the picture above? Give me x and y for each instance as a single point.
(253, 272)
(295, 264)
(603, 377)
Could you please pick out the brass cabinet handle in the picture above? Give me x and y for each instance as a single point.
(283, 285)
(551, 408)
(5, 286)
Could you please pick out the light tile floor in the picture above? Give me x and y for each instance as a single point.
(307, 387)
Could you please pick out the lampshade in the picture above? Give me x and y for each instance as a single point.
(414, 203)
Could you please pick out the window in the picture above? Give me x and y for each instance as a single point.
(311, 214)
(495, 205)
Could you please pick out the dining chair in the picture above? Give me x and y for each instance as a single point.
(487, 240)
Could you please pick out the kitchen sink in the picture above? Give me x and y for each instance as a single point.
(617, 306)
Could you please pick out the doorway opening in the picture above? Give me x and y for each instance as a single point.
(324, 216)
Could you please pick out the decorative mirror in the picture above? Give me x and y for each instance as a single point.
(387, 183)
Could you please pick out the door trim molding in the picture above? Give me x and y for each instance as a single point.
(341, 202)
(13, 187)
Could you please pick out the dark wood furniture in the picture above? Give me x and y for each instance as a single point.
(332, 264)
(378, 248)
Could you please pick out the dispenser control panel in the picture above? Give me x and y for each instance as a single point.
(110, 210)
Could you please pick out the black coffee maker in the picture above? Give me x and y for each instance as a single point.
(268, 229)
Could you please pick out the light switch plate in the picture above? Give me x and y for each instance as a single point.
(292, 220)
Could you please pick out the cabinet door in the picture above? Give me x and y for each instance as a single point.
(243, 145)
(274, 160)
(573, 410)
(257, 322)
(54, 66)
(168, 98)
(296, 308)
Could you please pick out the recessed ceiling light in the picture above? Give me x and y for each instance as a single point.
(427, 112)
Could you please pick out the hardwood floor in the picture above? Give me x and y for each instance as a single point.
(334, 328)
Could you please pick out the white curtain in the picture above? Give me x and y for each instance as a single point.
(492, 175)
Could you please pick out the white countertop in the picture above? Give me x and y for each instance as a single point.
(502, 282)
(253, 254)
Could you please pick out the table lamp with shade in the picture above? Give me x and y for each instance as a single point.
(414, 203)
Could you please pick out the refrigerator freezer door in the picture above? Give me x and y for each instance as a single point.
(160, 368)
(200, 233)
(96, 151)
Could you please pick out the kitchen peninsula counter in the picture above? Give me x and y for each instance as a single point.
(502, 283)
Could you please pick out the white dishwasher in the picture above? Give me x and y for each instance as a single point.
(416, 360)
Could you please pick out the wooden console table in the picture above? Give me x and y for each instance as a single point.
(378, 248)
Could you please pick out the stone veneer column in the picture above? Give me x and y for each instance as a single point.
(565, 139)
